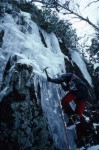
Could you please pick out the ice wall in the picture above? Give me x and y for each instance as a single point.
(26, 43)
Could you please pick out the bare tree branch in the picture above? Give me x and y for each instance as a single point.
(92, 3)
(82, 18)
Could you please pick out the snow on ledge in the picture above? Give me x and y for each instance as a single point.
(96, 65)
(96, 147)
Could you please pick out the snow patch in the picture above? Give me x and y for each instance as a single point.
(94, 148)
(96, 65)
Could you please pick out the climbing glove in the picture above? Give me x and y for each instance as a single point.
(48, 78)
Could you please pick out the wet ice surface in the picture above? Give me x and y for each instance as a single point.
(51, 96)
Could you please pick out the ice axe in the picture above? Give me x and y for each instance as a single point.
(45, 70)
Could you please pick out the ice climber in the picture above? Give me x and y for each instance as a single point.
(77, 92)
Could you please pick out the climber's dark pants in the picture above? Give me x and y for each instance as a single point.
(80, 104)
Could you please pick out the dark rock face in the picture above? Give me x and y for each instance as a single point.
(1, 37)
(22, 121)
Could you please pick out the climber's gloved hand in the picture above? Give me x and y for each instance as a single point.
(48, 78)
